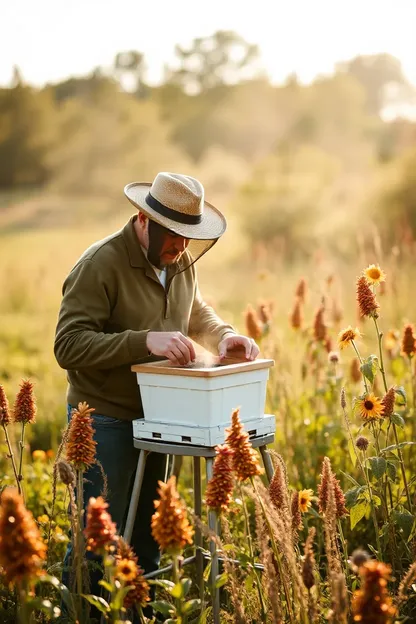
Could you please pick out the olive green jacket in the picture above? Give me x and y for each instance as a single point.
(111, 299)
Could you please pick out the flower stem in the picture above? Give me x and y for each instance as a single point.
(22, 446)
(80, 536)
(11, 455)
(361, 362)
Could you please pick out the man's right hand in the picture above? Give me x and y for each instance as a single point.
(174, 346)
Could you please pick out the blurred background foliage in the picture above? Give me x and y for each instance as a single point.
(314, 179)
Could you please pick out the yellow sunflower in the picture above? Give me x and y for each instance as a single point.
(370, 408)
(305, 500)
(347, 335)
(126, 570)
(374, 275)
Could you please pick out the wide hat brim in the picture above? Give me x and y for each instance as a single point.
(212, 225)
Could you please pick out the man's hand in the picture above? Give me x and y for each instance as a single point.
(235, 342)
(173, 345)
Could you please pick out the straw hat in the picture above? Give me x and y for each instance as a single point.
(177, 202)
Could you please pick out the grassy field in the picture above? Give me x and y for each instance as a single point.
(304, 394)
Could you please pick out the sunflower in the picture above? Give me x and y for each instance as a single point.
(305, 500)
(347, 335)
(370, 408)
(374, 275)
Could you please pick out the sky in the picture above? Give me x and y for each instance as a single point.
(52, 39)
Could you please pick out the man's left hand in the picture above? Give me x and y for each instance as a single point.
(238, 342)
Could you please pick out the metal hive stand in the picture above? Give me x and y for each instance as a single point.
(169, 448)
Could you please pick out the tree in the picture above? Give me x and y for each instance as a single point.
(220, 59)
(130, 71)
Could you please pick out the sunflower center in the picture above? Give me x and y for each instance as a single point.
(369, 405)
(374, 273)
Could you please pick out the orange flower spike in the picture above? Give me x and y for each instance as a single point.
(81, 444)
(4, 408)
(372, 603)
(220, 487)
(245, 459)
(388, 403)
(22, 550)
(24, 409)
(409, 340)
(170, 526)
(254, 325)
(100, 530)
(366, 299)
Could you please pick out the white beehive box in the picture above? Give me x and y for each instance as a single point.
(194, 405)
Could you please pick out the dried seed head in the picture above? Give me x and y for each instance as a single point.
(301, 290)
(409, 340)
(220, 487)
(333, 357)
(358, 557)
(4, 408)
(366, 299)
(296, 317)
(362, 443)
(308, 566)
(254, 326)
(66, 474)
(170, 526)
(388, 403)
(278, 488)
(319, 326)
(343, 399)
(245, 458)
(24, 409)
(372, 602)
(296, 514)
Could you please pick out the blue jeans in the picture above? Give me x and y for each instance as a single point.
(118, 457)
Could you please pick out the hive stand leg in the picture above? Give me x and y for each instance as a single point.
(268, 465)
(135, 495)
(198, 531)
(213, 527)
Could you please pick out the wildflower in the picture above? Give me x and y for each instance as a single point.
(343, 399)
(355, 370)
(24, 409)
(366, 299)
(347, 335)
(219, 490)
(388, 403)
(39, 455)
(333, 357)
(66, 474)
(22, 550)
(296, 318)
(81, 445)
(50, 454)
(362, 443)
(140, 592)
(409, 341)
(4, 408)
(358, 557)
(100, 530)
(370, 408)
(308, 566)
(341, 510)
(245, 460)
(372, 603)
(301, 290)
(374, 275)
(295, 509)
(305, 500)
(43, 519)
(170, 526)
(319, 326)
(126, 570)
(253, 324)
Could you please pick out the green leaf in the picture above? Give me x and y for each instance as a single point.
(369, 367)
(221, 580)
(405, 521)
(204, 616)
(378, 466)
(45, 605)
(177, 591)
(358, 511)
(402, 394)
(352, 451)
(63, 591)
(98, 602)
(186, 585)
(393, 447)
(162, 607)
(118, 599)
(351, 496)
(106, 585)
(191, 605)
(162, 583)
(392, 471)
(397, 420)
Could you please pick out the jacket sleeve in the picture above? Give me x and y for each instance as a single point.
(205, 327)
(80, 340)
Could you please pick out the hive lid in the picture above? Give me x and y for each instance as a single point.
(228, 367)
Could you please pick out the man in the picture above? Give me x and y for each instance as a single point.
(133, 297)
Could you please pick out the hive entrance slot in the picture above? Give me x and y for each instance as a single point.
(253, 432)
(186, 438)
(156, 435)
